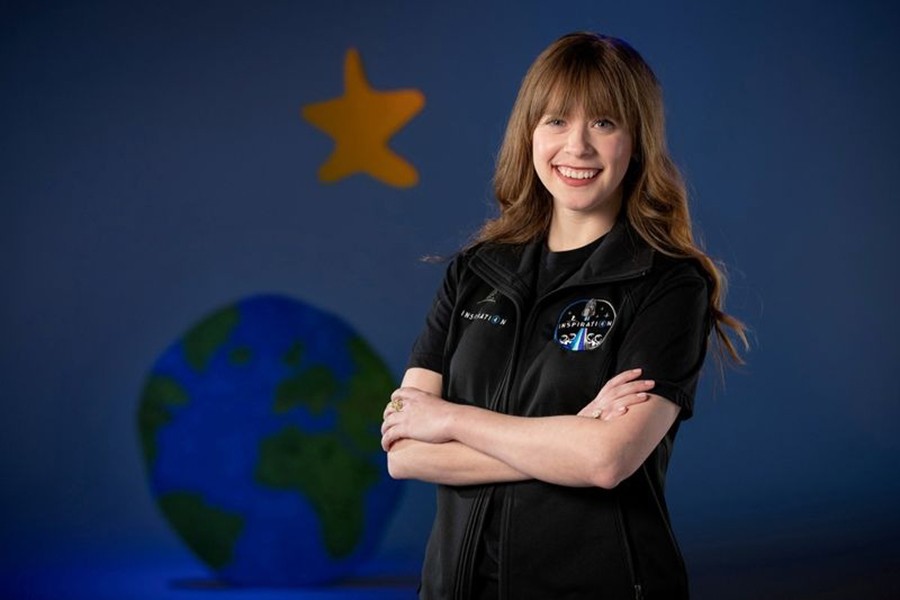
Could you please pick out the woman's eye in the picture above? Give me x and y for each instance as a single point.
(604, 124)
(554, 121)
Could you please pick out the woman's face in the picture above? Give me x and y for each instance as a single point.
(581, 161)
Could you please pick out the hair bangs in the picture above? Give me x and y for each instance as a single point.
(578, 80)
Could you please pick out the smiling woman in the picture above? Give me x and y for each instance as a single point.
(563, 350)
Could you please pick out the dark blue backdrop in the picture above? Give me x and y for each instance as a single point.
(154, 165)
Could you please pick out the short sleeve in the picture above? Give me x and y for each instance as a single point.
(668, 337)
(428, 349)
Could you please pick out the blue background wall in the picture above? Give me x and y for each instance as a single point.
(154, 166)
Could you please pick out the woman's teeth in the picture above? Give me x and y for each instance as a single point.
(577, 173)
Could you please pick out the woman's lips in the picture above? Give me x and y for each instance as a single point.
(576, 176)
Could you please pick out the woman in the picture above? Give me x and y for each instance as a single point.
(588, 280)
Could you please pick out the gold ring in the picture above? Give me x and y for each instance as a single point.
(397, 404)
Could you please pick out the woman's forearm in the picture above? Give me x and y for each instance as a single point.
(450, 463)
(566, 450)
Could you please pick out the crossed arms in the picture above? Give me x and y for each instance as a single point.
(442, 442)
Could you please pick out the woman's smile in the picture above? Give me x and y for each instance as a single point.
(576, 176)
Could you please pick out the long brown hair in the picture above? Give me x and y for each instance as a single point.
(606, 77)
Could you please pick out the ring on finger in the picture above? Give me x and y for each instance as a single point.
(397, 404)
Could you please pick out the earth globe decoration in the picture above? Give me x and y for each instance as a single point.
(260, 430)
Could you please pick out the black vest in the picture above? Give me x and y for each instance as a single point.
(523, 355)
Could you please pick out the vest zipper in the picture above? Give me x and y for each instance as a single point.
(502, 562)
(465, 565)
(463, 580)
(475, 524)
(629, 557)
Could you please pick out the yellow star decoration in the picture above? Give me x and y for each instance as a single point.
(361, 122)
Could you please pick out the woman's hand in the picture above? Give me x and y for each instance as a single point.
(617, 395)
(418, 415)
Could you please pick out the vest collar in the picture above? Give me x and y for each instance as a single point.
(622, 255)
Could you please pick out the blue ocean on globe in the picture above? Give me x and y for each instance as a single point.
(260, 433)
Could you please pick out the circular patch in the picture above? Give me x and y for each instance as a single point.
(583, 325)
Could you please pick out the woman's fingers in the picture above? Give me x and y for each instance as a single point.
(389, 432)
(621, 406)
(391, 417)
(416, 414)
(613, 412)
(387, 441)
(617, 395)
(387, 437)
(398, 396)
(623, 377)
(599, 409)
(386, 424)
(626, 389)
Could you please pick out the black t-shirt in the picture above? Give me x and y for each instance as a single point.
(558, 266)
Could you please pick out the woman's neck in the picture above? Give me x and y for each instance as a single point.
(570, 230)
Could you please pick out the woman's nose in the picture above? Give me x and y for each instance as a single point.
(578, 142)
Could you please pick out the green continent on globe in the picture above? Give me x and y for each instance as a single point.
(326, 473)
(359, 414)
(159, 396)
(240, 356)
(313, 387)
(201, 342)
(209, 531)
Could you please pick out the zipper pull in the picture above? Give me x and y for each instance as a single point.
(638, 592)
